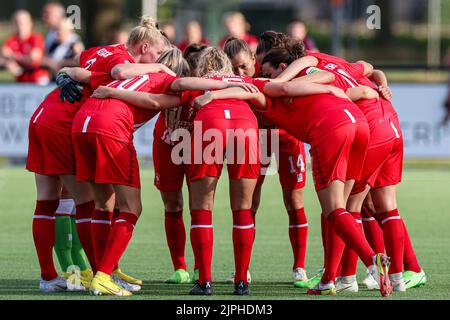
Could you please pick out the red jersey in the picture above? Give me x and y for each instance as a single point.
(32, 73)
(169, 120)
(116, 118)
(300, 116)
(225, 109)
(59, 115)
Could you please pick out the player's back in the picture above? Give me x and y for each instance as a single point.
(225, 109)
(59, 115)
(117, 118)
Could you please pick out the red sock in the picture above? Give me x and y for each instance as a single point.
(298, 235)
(254, 222)
(44, 236)
(83, 216)
(118, 241)
(323, 225)
(176, 238)
(394, 239)
(372, 231)
(243, 235)
(333, 253)
(115, 214)
(349, 261)
(410, 260)
(100, 229)
(348, 230)
(202, 240)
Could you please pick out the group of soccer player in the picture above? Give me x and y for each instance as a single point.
(82, 153)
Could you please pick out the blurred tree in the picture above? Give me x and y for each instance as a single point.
(101, 16)
(384, 35)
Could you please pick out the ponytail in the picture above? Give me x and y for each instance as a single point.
(146, 31)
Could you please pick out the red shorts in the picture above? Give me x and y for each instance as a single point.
(102, 159)
(391, 172)
(291, 163)
(340, 154)
(384, 158)
(223, 138)
(50, 152)
(375, 159)
(168, 175)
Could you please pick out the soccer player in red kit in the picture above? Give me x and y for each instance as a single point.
(383, 196)
(51, 155)
(381, 142)
(220, 122)
(169, 176)
(291, 166)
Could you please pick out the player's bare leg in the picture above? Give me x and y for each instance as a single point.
(175, 235)
(202, 192)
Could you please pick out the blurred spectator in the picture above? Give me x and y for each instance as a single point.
(194, 34)
(169, 31)
(63, 50)
(297, 30)
(238, 27)
(118, 36)
(52, 15)
(23, 52)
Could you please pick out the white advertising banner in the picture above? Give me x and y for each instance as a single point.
(419, 108)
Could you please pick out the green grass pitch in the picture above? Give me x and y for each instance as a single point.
(423, 203)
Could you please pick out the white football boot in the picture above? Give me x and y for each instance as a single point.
(347, 284)
(55, 285)
(126, 285)
(370, 282)
(397, 282)
(299, 274)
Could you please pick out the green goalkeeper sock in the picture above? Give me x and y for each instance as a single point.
(78, 255)
(63, 241)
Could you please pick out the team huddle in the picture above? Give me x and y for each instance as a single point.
(215, 106)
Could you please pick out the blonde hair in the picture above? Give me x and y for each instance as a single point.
(213, 62)
(146, 31)
(173, 59)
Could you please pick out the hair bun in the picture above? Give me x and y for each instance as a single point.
(148, 22)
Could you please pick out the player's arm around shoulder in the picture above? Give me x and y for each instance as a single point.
(131, 70)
